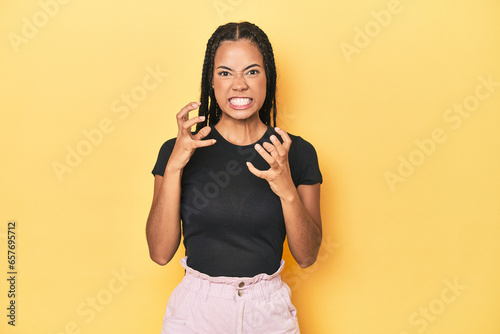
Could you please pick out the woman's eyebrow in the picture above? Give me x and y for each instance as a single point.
(230, 69)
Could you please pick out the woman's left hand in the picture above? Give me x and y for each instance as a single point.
(276, 155)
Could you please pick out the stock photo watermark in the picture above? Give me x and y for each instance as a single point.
(223, 6)
(296, 275)
(12, 271)
(364, 35)
(284, 117)
(219, 180)
(30, 26)
(454, 117)
(121, 106)
(88, 310)
(211, 190)
(293, 279)
(427, 314)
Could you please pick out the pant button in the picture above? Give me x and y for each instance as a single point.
(242, 284)
(240, 293)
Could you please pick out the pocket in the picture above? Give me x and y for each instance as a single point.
(175, 302)
(286, 294)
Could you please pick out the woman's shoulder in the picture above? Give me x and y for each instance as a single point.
(168, 145)
(303, 161)
(170, 142)
(299, 144)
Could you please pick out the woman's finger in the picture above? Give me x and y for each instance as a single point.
(182, 115)
(203, 143)
(192, 121)
(202, 133)
(278, 146)
(271, 149)
(255, 171)
(286, 138)
(263, 153)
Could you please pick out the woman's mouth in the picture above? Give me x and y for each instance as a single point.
(240, 102)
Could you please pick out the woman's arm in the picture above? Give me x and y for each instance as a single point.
(303, 223)
(163, 227)
(301, 205)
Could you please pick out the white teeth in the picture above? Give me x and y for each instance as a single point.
(240, 101)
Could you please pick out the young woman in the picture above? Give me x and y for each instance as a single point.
(239, 186)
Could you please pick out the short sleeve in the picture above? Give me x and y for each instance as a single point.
(163, 156)
(304, 163)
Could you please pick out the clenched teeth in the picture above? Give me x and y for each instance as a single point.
(240, 101)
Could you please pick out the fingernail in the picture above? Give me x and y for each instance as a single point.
(273, 138)
(202, 118)
(277, 129)
(257, 147)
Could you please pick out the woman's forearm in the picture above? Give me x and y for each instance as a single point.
(303, 232)
(163, 228)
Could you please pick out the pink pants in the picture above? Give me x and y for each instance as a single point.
(218, 305)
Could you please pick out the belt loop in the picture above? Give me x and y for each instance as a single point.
(268, 294)
(205, 289)
(265, 290)
(234, 291)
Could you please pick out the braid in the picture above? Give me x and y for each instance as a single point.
(269, 103)
(206, 84)
(233, 32)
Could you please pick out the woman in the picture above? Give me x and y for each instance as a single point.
(238, 185)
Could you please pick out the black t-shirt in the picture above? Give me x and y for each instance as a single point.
(232, 221)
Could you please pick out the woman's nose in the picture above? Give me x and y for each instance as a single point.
(239, 82)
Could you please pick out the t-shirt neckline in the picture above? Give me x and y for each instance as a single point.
(219, 136)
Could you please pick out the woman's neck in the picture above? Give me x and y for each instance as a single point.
(241, 132)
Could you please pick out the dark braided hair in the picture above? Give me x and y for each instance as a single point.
(234, 32)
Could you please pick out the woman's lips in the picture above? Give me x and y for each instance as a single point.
(240, 102)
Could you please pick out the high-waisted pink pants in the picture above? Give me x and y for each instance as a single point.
(218, 305)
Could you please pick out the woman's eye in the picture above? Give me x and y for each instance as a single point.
(224, 73)
(253, 72)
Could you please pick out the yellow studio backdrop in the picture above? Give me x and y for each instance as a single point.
(399, 97)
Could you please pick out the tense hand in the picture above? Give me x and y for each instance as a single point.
(276, 155)
(186, 143)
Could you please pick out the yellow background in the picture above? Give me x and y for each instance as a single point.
(390, 252)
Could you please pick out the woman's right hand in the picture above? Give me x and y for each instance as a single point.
(186, 143)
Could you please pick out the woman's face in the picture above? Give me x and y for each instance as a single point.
(239, 79)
